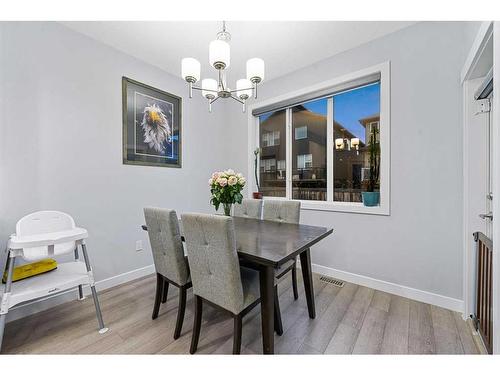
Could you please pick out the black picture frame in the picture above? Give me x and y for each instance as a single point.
(152, 126)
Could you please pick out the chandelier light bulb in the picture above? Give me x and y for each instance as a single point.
(209, 88)
(339, 143)
(190, 69)
(255, 70)
(219, 54)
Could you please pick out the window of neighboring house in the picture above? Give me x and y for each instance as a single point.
(268, 165)
(301, 132)
(343, 130)
(271, 138)
(304, 161)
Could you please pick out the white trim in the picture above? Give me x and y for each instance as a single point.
(467, 248)
(496, 189)
(44, 304)
(385, 140)
(483, 35)
(289, 153)
(388, 287)
(330, 163)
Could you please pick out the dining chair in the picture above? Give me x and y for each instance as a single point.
(249, 208)
(217, 276)
(284, 211)
(170, 263)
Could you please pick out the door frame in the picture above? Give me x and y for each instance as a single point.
(485, 32)
(496, 188)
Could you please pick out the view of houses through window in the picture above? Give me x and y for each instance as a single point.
(273, 154)
(355, 143)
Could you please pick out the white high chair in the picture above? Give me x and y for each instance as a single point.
(38, 236)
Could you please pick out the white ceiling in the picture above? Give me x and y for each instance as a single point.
(284, 46)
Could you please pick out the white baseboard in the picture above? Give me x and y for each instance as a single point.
(41, 305)
(388, 287)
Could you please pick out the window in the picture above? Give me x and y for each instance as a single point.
(304, 161)
(301, 132)
(281, 165)
(268, 165)
(309, 150)
(272, 180)
(271, 138)
(356, 115)
(332, 148)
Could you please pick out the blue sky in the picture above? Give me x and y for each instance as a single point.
(349, 107)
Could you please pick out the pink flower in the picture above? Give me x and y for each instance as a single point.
(222, 181)
(215, 176)
(232, 180)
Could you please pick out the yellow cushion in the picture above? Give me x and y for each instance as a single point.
(31, 269)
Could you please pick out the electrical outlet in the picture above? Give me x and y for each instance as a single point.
(138, 245)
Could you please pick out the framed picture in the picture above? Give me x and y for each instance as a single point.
(151, 126)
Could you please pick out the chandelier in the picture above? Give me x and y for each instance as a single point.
(346, 143)
(219, 58)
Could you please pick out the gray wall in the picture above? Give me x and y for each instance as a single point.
(61, 142)
(420, 244)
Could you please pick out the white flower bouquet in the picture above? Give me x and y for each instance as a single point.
(226, 187)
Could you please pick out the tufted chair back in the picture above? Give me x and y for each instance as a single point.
(283, 211)
(215, 268)
(249, 208)
(166, 244)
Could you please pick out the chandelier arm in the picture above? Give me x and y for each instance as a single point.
(250, 88)
(214, 99)
(237, 99)
(200, 88)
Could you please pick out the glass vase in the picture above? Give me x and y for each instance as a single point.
(227, 208)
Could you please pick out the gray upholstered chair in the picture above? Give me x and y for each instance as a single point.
(249, 208)
(170, 263)
(284, 211)
(216, 273)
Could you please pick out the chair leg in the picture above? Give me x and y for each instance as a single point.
(158, 295)
(180, 312)
(80, 287)
(165, 291)
(294, 281)
(8, 286)
(197, 324)
(102, 329)
(238, 326)
(278, 325)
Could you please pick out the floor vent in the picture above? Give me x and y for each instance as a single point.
(330, 280)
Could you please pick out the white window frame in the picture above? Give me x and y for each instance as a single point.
(385, 147)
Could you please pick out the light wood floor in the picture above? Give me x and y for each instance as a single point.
(352, 319)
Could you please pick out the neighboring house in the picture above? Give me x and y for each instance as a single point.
(309, 171)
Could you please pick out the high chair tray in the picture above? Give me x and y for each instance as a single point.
(46, 239)
(67, 276)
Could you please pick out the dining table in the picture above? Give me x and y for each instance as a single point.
(266, 245)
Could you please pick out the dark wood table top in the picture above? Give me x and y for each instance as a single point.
(272, 243)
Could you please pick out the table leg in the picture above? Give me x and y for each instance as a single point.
(305, 264)
(267, 308)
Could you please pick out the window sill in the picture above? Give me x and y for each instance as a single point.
(347, 207)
